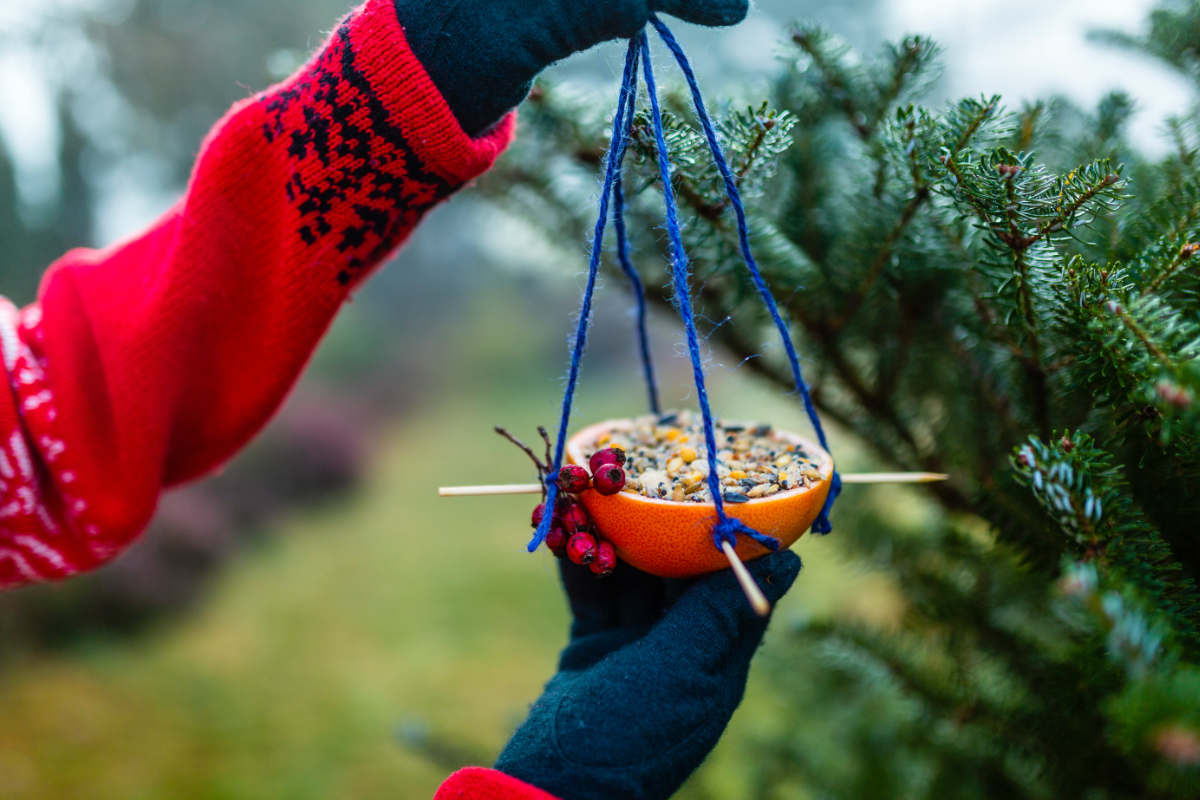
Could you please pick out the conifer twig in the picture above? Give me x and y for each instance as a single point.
(880, 262)
(1183, 256)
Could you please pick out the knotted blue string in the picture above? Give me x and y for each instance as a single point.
(616, 150)
(727, 528)
(822, 524)
(635, 280)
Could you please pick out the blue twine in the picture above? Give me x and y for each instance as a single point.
(727, 528)
(635, 280)
(616, 149)
(822, 524)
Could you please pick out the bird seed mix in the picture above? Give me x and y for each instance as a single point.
(667, 459)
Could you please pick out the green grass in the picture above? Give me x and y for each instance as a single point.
(388, 608)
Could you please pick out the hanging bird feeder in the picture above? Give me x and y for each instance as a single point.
(671, 536)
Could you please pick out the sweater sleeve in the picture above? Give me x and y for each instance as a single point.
(152, 362)
(476, 783)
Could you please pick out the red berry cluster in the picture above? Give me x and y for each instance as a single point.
(607, 476)
(572, 533)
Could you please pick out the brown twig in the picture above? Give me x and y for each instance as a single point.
(1020, 244)
(549, 447)
(752, 151)
(543, 469)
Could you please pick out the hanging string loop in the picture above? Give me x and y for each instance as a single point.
(623, 257)
(822, 524)
(617, 147)
(727, 529)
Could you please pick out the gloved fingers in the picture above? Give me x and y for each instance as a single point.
(602, 20)
(712, 626)
(584, 651)
(647, 714)
(674, 588)
(628, 598)
(713, 13)
(636, 720)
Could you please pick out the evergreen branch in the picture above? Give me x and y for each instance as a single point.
(1060, 222)
(997, 332)
(909, 59)
(889, 380)
(1173, 216)
(1184, 255)
(959, 178)
(748, 161)
(1080, 488)
(1025, 301)
(979, 113)
(815, 42)
(855, 301)
(1134, 640)
(1137, 330)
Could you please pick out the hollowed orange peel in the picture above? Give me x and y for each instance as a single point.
(674, 540)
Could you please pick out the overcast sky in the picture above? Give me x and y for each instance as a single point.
(1019, 48)
(1022, 49)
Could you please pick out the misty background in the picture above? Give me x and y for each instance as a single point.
(314, 622)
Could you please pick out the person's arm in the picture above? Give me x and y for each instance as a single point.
(477, 783)
(154, 361)
(652, 675)
(653, 672)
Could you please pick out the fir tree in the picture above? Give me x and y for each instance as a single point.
(1007, 295)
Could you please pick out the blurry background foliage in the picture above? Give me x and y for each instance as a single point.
(1007, 295)
(962, 278)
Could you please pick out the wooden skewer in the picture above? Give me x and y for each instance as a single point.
(894, 477)
(482, 491)
(758, 601)
(536, 488)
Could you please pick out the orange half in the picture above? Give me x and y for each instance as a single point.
(674, 540)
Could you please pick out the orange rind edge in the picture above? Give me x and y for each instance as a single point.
(674, 540)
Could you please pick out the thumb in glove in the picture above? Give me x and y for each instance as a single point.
(484, 54)
(636, 721)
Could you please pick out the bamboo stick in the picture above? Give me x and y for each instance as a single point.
(482, 491)
(894, 477)
(758, 601)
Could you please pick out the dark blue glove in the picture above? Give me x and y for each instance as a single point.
(484, 54)
(652, 674)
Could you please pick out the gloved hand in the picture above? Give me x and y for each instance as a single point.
(652, 674)
(484, 54)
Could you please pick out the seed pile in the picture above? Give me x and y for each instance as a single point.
(666, 458)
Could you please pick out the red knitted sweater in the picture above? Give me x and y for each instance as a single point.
(152, 362)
